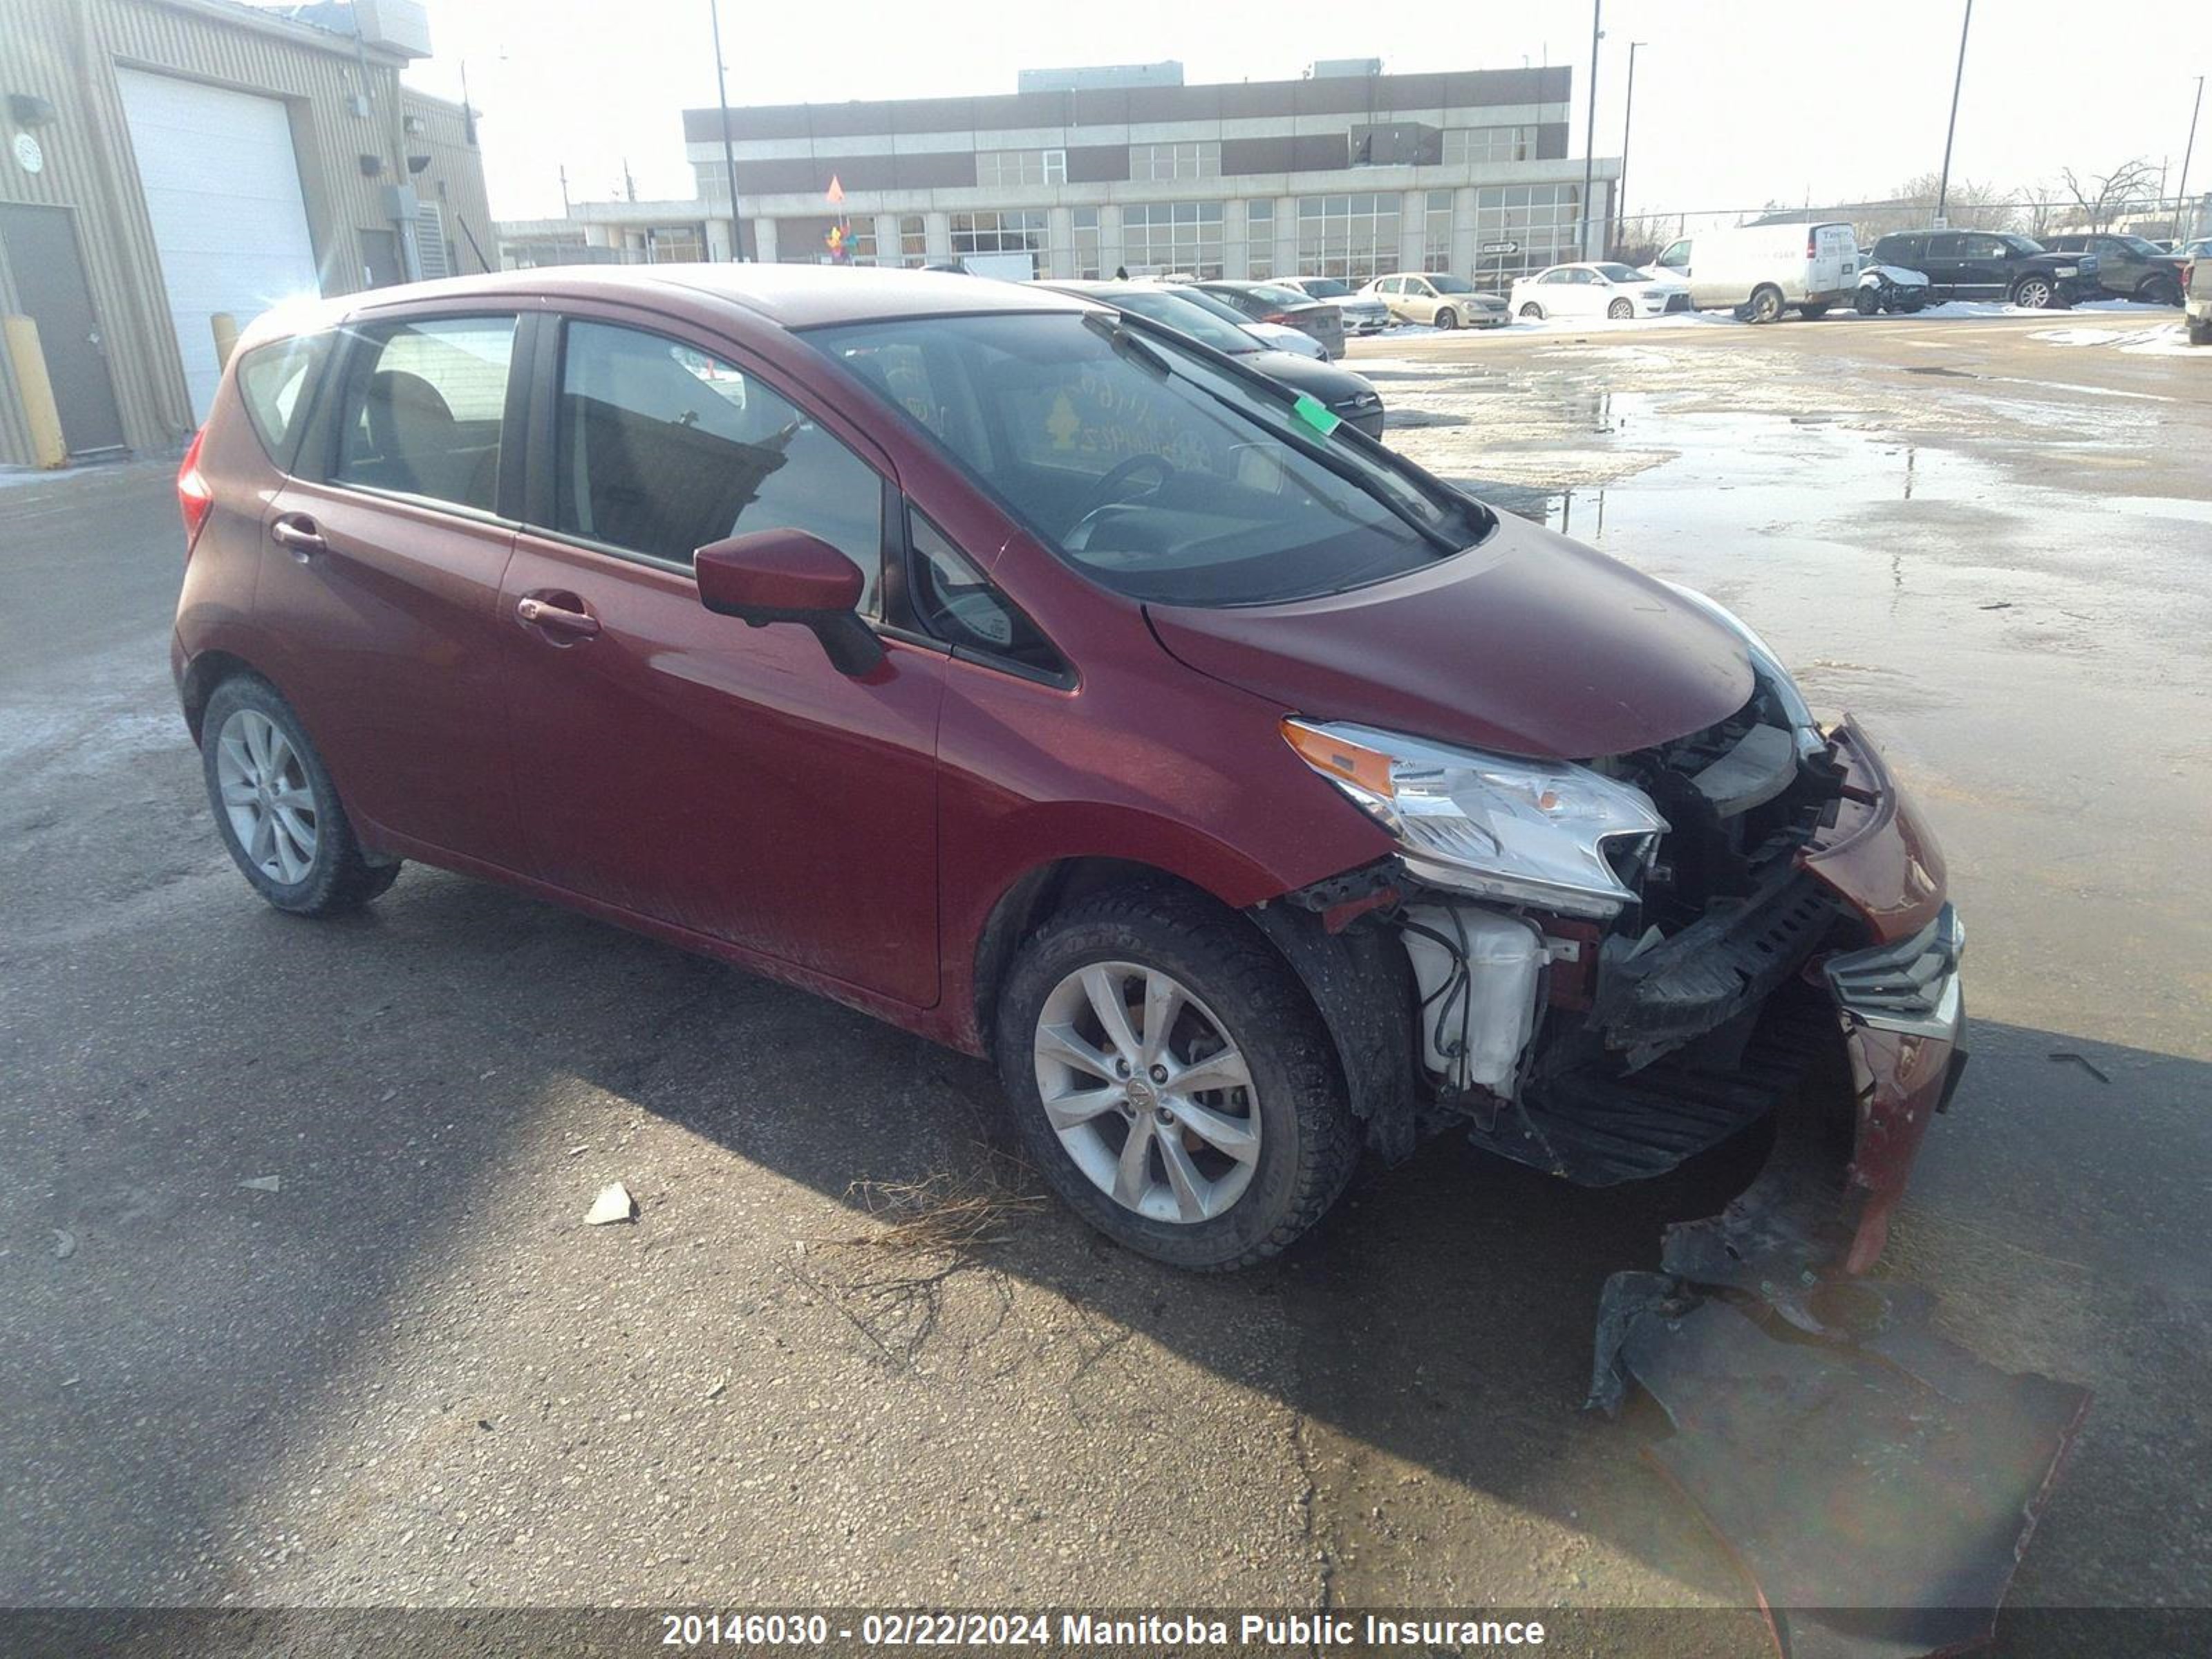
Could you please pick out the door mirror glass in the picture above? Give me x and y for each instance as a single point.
(789, 576)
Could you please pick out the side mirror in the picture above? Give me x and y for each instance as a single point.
(789, 576)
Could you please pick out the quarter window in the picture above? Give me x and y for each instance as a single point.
(424, 409)
(956, 602)
(273, 380)
(662, 449)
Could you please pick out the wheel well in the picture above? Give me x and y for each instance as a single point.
(209, 670)
(1030, 902)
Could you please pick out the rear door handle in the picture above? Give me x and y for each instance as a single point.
(538, 614)
(295, 532)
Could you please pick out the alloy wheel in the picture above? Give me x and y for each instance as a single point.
(2034, 294)
(266, 796)
(1147, 1092)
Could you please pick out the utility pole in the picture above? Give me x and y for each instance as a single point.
(1589, 131)
(2181, 193)
(1620, 185)
(1943, 181)
(729, 153)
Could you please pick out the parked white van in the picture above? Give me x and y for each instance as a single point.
(1762, 270)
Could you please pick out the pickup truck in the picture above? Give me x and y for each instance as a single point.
(2196, 278)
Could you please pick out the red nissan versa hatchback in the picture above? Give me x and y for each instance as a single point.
(1032, 678)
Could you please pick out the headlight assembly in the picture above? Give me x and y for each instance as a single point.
(1517, 832)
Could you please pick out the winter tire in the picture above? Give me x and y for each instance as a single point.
(275, 808)
(1172, 1080)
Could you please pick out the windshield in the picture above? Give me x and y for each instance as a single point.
(1614, 273)
(1273, 294)
(1451, 285)
(1324, 288)
(1156, 472)
(1178, 313)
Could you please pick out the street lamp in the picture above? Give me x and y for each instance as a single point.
(729, 153)
(1943, 181)
(2181, 195)
(1589, 131)
(1620, 185)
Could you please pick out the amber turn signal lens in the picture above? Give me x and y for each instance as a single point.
(1365, 768)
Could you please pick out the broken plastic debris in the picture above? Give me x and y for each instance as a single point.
(613, 1204)
(264, 1183)
(64, 1243)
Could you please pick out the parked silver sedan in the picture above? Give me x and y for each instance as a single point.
(1362, 313)
(1439, 300)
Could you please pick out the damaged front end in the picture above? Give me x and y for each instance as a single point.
(1618, 965)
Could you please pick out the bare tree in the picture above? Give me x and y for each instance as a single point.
(1966, 205)
(2101, 197)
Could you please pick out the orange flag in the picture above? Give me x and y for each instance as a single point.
(836, 190)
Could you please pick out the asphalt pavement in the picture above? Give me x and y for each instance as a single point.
(301, 1307)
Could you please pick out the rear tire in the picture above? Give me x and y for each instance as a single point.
(2160, 291)
(1447, 318)
(1288, 1118)
(1621, 311)
(275, 808)
(1765, 305)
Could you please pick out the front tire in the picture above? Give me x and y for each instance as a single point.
(277, 809)
(1447, 318)
(1621, 311)
(1171, 1081)
(2034, 294)
(1532, 312)
(1866, 302)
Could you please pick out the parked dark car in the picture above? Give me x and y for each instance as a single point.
(1349, 396)
(1270, 302)
(2129, 267)
(1980, 265)
(1009, 668)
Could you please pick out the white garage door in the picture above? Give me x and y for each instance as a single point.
(222, 189)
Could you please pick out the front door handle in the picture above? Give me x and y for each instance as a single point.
(296, 534)
(538, 614)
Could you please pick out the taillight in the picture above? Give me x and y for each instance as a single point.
(1812, 244)
(1282, 317)
(194, 499)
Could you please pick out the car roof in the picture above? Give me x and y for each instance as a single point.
(790, 296)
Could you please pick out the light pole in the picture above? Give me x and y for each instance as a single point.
(729, 154)
(1589, 131)
(1620, 185)
(2181, 194)
(1943, 180)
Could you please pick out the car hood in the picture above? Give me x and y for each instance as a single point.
(1529, 644)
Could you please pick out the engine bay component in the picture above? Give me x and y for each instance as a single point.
(1478, 974)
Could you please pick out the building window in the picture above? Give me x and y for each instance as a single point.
(1087, 265)
(1542, 218)
(1161, 237)
(674, 245)
(1354, 238)
(1011, 169)
(1161, 163)
(1436, 232)
(914, 241)
(1472, 146)
(1260, 240)
(861, 240)
(1016, 230)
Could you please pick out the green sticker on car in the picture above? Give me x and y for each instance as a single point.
(1314, 413)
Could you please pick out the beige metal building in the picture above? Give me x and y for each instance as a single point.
(169, 160)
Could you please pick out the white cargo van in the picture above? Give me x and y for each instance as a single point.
(1762, 270)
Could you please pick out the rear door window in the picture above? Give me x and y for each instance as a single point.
(425, 404)
(661, 448)
(274, 382)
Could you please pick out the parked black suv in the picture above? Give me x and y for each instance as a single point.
(2129, 266)
(1981, 264)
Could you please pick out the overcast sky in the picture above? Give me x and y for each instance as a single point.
(1737, 104)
